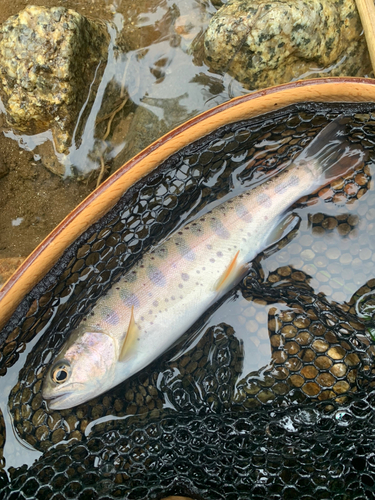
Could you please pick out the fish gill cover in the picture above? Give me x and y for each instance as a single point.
(193, 422)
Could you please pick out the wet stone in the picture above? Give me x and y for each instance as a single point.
(338, 370)
(53, 420)
(292, 347)
(336, 353)
(307, 355)
(323, 362)
(309, 372)
(37, 401)
(320, 346)
(44, 87)
(311, 389)
(301, 322)
(42, 433)
(352, 359)
(303, 338)
(293, 364)
(268, 45)
(341, 387)
(325, 380)
(284, 271)
(344, 229)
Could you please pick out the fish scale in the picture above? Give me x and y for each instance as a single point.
(172, 285)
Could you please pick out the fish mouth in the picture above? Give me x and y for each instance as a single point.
(60, 402)
(65, 400)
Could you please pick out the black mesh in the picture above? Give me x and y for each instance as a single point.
(274, 432)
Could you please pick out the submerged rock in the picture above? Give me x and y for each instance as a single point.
(263, 44)
(48, 59)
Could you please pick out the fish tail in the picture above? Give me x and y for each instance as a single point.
(331, 152)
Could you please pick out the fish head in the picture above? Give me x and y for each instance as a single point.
(83, 369)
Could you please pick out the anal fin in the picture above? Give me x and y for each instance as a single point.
(286, 228)
(231, 275)
(130, 338)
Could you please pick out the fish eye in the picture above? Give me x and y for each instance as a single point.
(60, 372)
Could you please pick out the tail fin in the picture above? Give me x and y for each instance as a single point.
(331, 152)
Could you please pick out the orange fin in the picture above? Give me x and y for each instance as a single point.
(231, 274)
(130, 338)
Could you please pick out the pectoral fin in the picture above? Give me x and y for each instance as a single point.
(130, 338)
(231, 275)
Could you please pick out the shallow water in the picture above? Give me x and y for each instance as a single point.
(163, 84)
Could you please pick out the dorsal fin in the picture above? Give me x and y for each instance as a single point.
(130, 338)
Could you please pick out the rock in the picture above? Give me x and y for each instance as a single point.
(7, 267)
(48, 59)
(4, 168)
(268, 43)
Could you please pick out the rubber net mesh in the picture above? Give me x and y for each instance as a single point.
(193, 423)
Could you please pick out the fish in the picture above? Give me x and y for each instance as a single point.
(176, 281)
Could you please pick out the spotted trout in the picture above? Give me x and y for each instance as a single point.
(174, 283)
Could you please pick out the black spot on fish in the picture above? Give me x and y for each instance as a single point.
(109, 315)
(132, 276)
(219, 254)
(243, 212)
(129, 298)
(264, 200)
(155, 303)
(197, 229)
(284, 186)
(184, 249)
(161, 252)
(219, 229)
(156, 276)
(185, 276)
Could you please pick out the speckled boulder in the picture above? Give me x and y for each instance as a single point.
(48, 58)
(267, 43)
